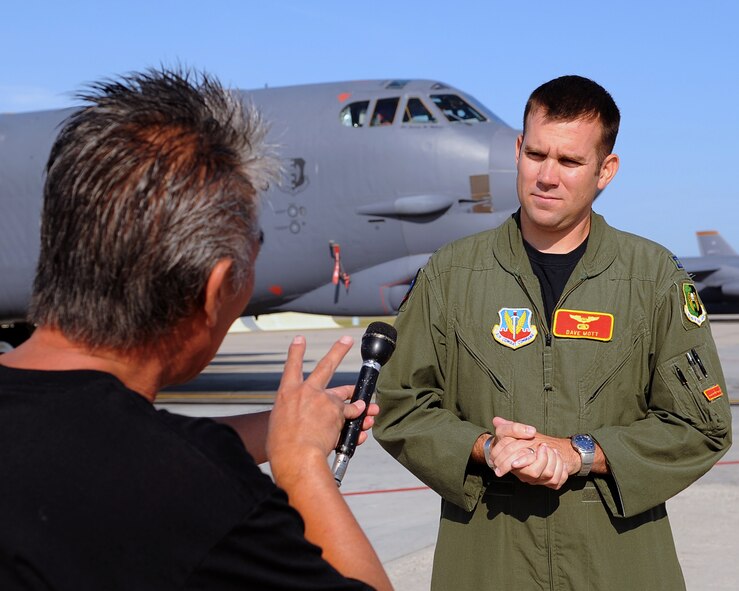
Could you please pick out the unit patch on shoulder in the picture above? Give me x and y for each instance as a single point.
(713, 392)
(693, 308)
(582, 324)
(515, 329)
(410, 289)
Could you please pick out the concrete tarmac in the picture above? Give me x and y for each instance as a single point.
(400, 515)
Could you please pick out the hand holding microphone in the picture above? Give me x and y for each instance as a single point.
(378, 345)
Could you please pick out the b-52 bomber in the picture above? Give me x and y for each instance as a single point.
(379, 174)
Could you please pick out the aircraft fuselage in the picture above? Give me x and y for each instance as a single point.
(378, 175)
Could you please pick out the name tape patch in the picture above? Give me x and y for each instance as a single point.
(583, 324)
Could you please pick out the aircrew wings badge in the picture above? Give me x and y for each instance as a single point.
(581, 324)
(515, 329)
(693, 308)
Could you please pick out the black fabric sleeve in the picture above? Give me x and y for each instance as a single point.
(267, 550)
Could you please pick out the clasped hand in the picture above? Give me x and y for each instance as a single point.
(530, 456)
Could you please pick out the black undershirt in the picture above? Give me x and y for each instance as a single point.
(553, 271)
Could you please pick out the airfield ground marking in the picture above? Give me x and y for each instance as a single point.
(385, 490)
(190, 396)
(418, 488)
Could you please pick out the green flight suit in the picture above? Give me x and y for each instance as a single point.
(449, 376)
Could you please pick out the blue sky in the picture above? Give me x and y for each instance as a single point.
(672, 67)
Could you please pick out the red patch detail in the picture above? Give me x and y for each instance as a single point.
(276, 289)
(713, 392)
(343, 96)
(515, 337)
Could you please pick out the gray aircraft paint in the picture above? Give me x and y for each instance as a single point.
(716, 273)
(388, 195)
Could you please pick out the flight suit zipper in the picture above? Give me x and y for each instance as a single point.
(546, 361)
(548, 375)
(548, 348)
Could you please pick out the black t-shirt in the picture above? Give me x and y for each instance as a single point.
(101, 491)
(553, 271)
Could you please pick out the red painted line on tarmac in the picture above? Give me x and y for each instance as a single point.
(383, 491)
(417, 488)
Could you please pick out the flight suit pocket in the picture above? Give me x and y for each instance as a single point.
(696, 393)
(482, 378)
(616, 380)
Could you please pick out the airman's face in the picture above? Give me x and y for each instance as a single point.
(559, 176)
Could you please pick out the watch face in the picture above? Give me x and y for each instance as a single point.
(583, 442)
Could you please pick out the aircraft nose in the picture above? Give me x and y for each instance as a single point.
(503, 168)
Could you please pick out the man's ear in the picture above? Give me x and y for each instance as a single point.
(217, 290)
(608, 170)
(519, 143)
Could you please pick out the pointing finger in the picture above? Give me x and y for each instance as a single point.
(293, 372)
(326, 367)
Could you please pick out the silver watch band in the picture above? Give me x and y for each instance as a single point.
(486, 449)
(587, 462)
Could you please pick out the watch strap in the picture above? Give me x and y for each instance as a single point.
(585, 446)
(486, 449)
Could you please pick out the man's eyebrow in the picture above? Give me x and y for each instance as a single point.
(529, 148)
(573, 158)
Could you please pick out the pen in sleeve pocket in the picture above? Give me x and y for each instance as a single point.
(693, 364)
(681, 376)
(700, 363)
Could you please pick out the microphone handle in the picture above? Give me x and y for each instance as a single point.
(352, 428)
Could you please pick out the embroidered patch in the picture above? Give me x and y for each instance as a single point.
(582, 324)
(677, 262)
(713, 392)
(693, 308)
(515, 329)
(410, 289)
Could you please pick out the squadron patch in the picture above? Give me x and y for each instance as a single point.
(713, 392)
(515, 329)
(693, 308)
(582, 324)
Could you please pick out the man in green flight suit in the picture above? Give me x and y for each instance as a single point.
(555, 379)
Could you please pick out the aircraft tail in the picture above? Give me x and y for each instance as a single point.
(711, 243)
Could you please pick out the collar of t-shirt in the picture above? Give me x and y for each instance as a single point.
(553, 271)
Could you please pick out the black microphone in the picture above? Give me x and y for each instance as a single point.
(378, 344)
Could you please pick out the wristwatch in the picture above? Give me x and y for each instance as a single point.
(486, 449)
(585, 446)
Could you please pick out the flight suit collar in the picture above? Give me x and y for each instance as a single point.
(599, 255)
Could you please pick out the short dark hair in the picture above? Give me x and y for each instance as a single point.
(147, 188)
(569, 98)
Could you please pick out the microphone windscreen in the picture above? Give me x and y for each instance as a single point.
(383, 329)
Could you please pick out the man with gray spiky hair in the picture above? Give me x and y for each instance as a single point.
(148, 241)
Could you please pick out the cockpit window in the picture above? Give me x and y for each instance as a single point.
(416, 112)
(456, 108)
(385, 111)
(354, 114)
